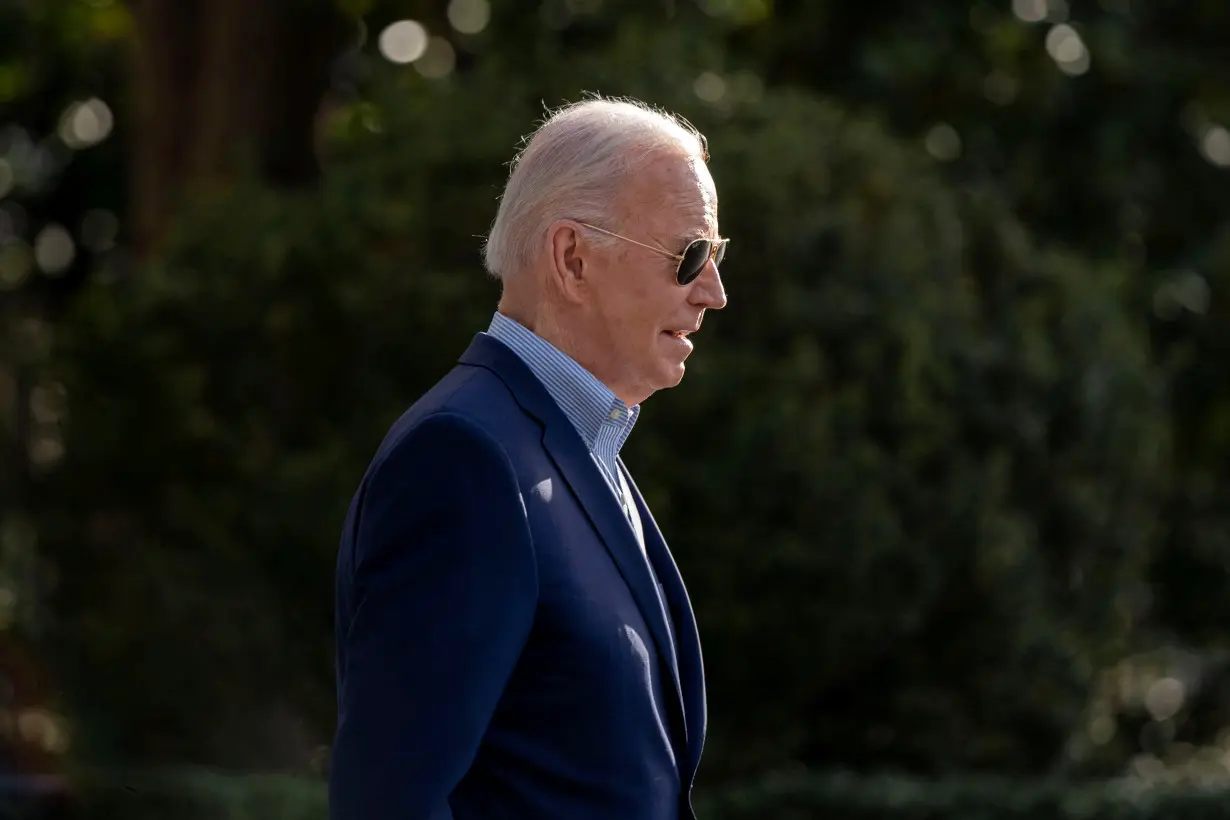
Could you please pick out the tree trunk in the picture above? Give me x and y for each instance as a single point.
(220, 85)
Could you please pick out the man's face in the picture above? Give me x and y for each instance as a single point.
(639, 313)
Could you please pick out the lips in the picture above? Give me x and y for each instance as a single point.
(679, 340)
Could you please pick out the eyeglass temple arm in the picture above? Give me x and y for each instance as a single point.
(677, 257)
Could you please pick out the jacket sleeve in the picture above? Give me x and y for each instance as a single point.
(444, 588)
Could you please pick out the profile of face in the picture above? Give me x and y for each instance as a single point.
(635, 318)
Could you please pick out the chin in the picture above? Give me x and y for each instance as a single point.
(673, 374)
(669, 368)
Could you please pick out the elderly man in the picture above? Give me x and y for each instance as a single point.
(513, 637)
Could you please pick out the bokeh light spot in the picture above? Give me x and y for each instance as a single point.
(469, 16)
(54, 249)
(48, 403)
(1215, 145)
(1102, 730)
(1165, 698)
(438, 60)
(1183, 290)
(709, 87)
(943, 142)
(1031, 11)
(40, 727)
(1067, 49)
(403, 42)
(46, 448)
(86, 123)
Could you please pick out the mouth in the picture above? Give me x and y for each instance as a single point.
(683, 333)
(679, 338)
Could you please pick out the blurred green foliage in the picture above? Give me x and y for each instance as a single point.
(892, 797)
(203, 795)
(919, 452)
(954, 457)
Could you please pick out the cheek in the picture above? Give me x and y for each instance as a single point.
(638, 307)
(636, 310)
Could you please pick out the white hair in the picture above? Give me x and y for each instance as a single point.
(572, 167)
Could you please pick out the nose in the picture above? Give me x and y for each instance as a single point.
(707, 289)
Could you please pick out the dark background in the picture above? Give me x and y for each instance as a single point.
(947, 480)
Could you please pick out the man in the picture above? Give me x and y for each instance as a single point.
(513, 637)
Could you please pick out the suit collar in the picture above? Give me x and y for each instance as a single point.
(488, 352)
(566, 448)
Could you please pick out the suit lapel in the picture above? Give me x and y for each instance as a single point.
(691, 664)
(603, 510)
(566, 448)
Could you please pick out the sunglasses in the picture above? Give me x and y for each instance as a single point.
(691, 262)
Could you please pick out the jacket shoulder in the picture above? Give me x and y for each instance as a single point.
(470, 394)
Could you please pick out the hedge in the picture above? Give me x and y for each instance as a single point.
(907, 473)
(203, 795)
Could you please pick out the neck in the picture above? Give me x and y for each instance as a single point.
(546, 324)
(559, 330)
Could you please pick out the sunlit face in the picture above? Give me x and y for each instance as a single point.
(638, 314)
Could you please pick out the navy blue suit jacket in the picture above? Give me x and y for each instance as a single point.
(502, 648)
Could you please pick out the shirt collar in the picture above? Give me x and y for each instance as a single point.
(588, 403)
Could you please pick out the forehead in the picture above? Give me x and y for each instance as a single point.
(673, 196)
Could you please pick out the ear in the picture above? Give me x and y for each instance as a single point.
(570, 262)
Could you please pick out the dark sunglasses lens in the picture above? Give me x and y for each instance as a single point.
(720, 255)
(694, 260)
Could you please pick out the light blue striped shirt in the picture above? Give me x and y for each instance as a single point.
(601, 417)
